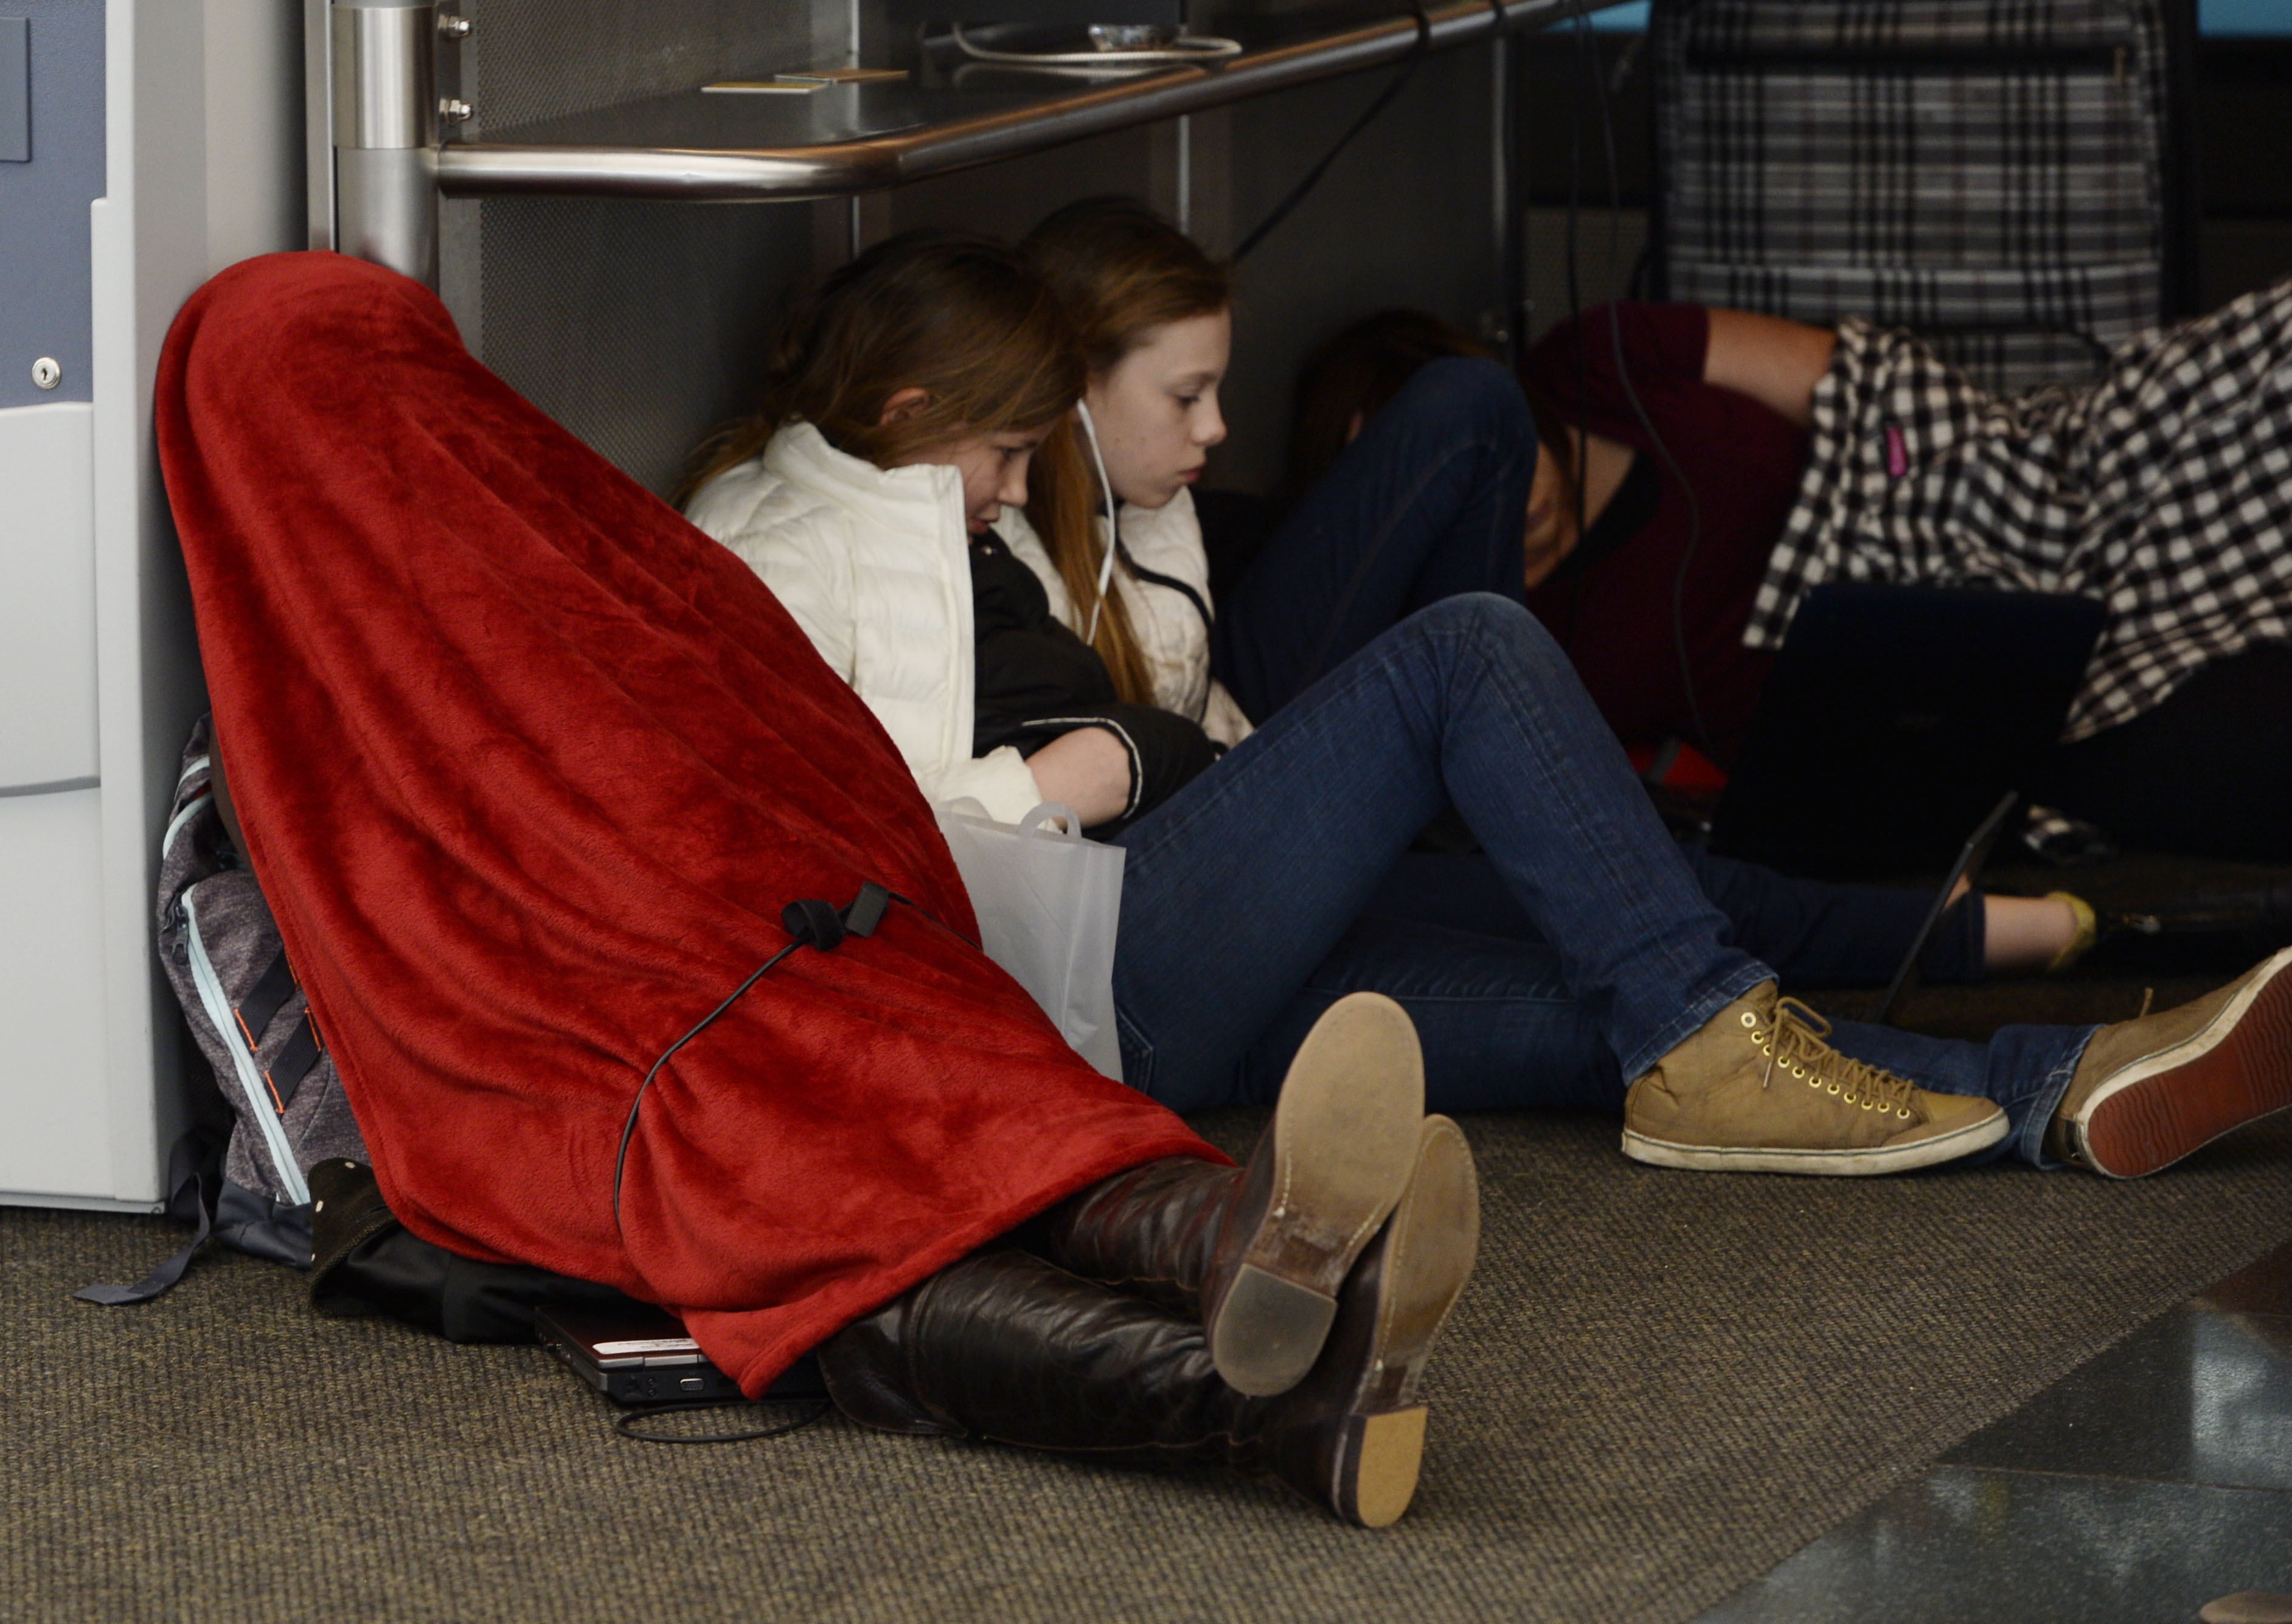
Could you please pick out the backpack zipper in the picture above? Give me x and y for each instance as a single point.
(175, 826)
(213, 1000)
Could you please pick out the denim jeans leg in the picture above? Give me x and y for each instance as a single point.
(1430, 501)
(1817, 934)
(2025, 1069)
(1239, 887)
(1500, 1028)
(1814, 933)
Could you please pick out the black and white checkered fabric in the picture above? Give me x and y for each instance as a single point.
(2164, 490)
(1988, 172)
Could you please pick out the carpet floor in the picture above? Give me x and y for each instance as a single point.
(1658, 1386)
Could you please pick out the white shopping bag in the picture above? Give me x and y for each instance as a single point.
(1048, 903)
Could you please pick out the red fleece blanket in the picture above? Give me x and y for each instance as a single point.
(527, 768)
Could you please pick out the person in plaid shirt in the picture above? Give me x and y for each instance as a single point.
(2164, 489)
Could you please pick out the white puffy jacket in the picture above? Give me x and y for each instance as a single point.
(874, 564)
(1171, 630)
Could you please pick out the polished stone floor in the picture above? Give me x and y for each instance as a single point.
(2150, 1481)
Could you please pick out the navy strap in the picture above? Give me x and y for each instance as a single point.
(285, 1074)
(194, 1186)
(867, 910)
(1170, 582)
(271, 990)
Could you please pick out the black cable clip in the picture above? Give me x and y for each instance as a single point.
(824, 926)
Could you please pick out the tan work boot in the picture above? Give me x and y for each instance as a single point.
(1757, 1090)
(2148, 1092)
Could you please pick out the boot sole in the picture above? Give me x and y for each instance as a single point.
(1344, 1146)
(1382, 1457)
(1429, 1255)
(2174, 1103)
(1832, 1164)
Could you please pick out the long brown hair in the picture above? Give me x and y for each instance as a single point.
(961, 317)
(1122, 272)
(1350, 377)
(1357, 373)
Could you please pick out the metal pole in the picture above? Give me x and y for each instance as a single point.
(1186, 173)
(386, 114)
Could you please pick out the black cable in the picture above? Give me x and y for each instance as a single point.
(1170, 582)
(628, 1129)
(1583, 403)
(1297, 193)
(817, 922)
(1640, 412)
(624, 1425)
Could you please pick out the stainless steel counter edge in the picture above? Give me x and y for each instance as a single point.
(840, 169)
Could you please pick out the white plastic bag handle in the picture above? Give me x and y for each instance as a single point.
(1053, 818)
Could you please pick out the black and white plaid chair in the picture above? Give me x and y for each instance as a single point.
(2001, 176)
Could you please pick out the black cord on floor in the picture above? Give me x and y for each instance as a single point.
(624, 1425)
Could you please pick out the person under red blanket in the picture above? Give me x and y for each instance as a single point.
(530, 771)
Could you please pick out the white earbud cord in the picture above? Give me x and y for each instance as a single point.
(1113, 522)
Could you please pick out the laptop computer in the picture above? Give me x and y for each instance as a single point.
(639, 1356)
(1894, 720)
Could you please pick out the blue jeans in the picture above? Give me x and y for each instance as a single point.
(1431, 501)
(1812, 932)
(1246, 906)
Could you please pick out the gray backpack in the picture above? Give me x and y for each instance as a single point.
(283, 1174)
(224, 956)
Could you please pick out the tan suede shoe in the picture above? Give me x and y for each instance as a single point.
(1757, 1090)
(2148, 1092)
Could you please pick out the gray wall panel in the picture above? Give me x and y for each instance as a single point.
(44, 223)
(1007, 199)
(542, 59)
(638, 325)
(1403, 217)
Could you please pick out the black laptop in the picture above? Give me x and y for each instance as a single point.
(1894, 720)
(639, 1356)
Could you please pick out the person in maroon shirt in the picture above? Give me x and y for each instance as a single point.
(1650, 597)
(1610, 523)
(1702, 376)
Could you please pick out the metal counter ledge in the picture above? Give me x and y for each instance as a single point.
(862, 137)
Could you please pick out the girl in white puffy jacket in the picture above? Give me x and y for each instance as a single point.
(900, 418)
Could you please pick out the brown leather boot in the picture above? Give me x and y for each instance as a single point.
(1258, 1252)
(1008, 1347)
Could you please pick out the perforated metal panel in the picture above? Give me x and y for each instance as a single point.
(540, 59)
(637, 326)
